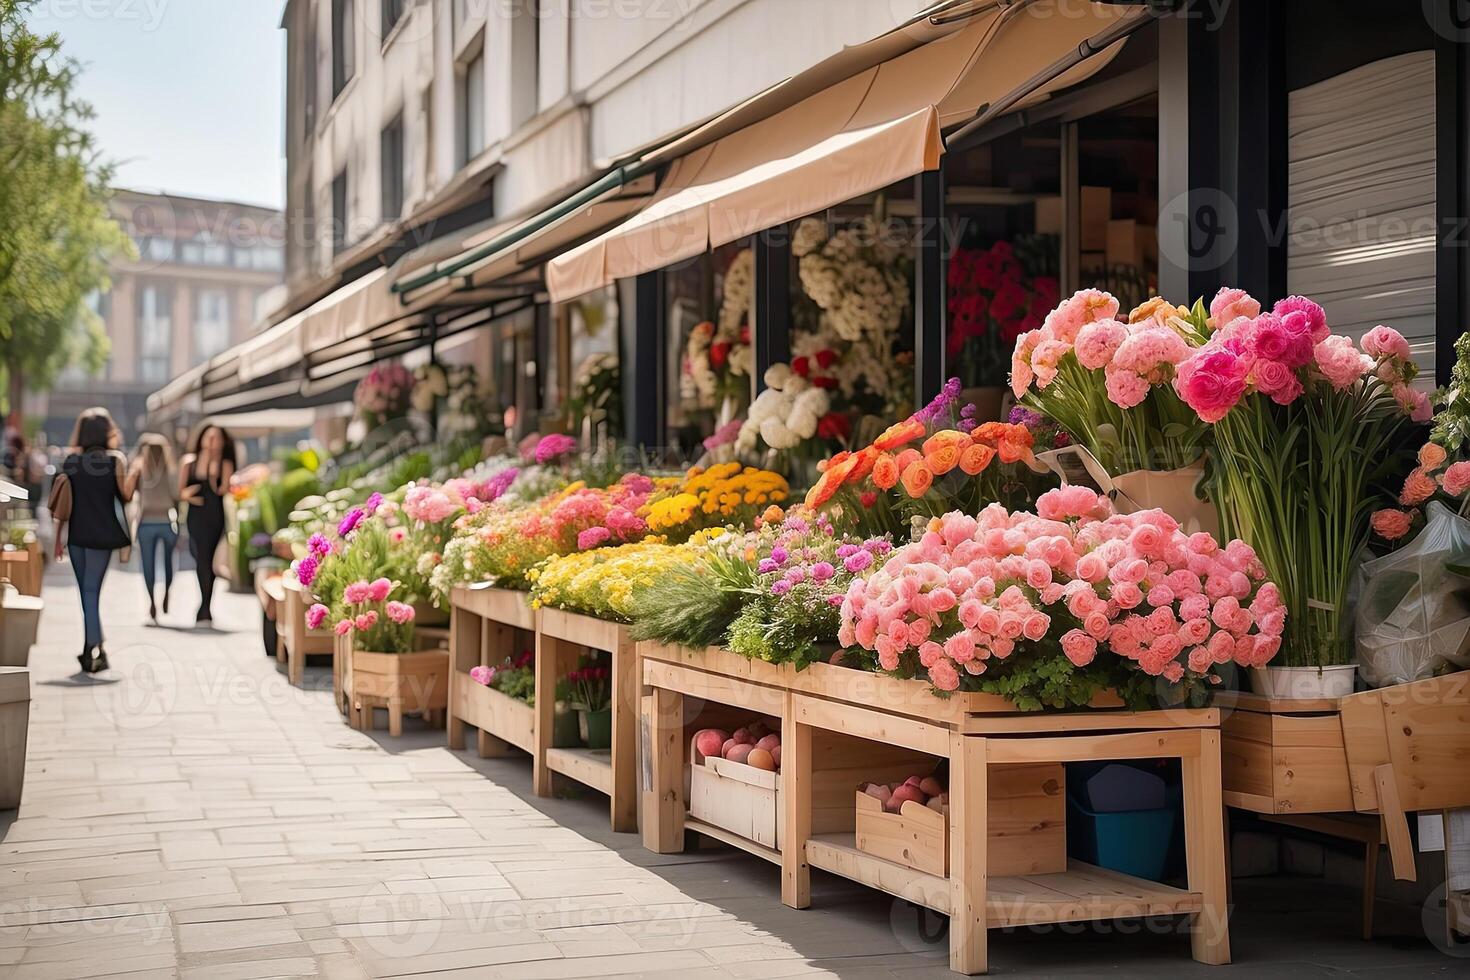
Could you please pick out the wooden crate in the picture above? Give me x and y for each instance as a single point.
(15, 712)
(915, 837)
(487, 626)
(404, 683)
(741, 799)
(25, 567)
(291, 631)
(1278, 759)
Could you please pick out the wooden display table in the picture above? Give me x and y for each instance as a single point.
(25, 567)
(1321, 763)
(561, 637)
(293, 639)
(984, 740)
(487, 626)
(403, 683)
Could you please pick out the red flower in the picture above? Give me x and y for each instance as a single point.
(868, 499)
(719, 353)
(800, 366)
(745, 333)
(828, 383)
(834, 425)
(826, 358)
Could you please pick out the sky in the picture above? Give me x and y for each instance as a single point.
(188, 93)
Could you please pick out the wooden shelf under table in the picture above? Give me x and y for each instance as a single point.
(1082, 893)
(590, 767)
(733, 839)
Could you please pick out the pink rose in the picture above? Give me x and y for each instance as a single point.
(1456, 479)
(1079, 647)
(943, 675)
(1211, 382)
(1340, 362)
(1384, 341)
(1392, 524)
(1230, 303)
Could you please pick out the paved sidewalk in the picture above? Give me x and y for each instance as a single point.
(191, 814)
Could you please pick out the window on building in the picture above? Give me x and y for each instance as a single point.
(309, 81)
(155, 334)
(392, 14)
(211, 323)
(390, 152)
(267, 258)
(204, 250)
(344, 44)
(472, 109)
(525, 61)
(340, 216)
(156, 248)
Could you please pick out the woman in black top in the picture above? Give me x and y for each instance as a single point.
(99, 481)
(204, 479)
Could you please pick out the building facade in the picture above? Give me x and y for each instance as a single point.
(204, 273)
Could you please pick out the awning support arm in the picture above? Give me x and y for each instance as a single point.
(930, 259)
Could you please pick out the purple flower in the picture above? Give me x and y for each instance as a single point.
(878, 546)
(796, 575)
(374, 501)
(1021, 415)
(942, 403)
(498, 484)
(779, 555)
(766, 566)
(781, 587)
(318, 544)
(306, 569)
(349, 523)
(822, 571)
(857, 562)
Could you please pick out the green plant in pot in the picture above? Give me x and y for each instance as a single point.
(591, 694)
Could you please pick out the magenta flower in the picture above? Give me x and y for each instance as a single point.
(315, 616)
(349, 523)
(592, 537)
(379, 588)
(374, 501)
(306, 569)
(318, 544)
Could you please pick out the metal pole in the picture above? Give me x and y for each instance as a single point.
(929, 286)
(771, 306)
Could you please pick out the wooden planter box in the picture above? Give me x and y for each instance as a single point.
(15, 715)
(25, 567)
(404, 683)
(1005, 861)
(292, 636)
(487, 625)
(1282, 756)
(20, 618)
(741, 799)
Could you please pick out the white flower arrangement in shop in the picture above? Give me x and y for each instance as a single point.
(722, 347)
(455, 390)
(784, 415)
(430, 382)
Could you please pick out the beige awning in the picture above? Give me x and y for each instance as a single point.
(854, 137)
(356, 306)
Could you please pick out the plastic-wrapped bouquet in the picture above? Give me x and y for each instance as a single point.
(1050, 608)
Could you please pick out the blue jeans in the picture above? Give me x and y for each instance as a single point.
(151, 534)
(90, 564)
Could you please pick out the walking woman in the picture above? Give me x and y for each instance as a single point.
(85, 501)
(204, 479)
(158, 514)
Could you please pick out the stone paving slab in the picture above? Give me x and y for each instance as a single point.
(191, 814)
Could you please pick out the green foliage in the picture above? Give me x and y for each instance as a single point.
(56, 235)
(786, 629)
(693, 606)
(1452, 422)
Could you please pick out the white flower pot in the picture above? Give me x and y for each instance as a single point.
(1335, 681)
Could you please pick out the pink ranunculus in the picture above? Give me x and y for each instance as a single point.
(592, 537)
(1279, 382)
(379, 588)
(357, 593)
(1270, 338)
(315, 616)
(1081, 308)
(400, 612)
(1230, 303)
(366, 621)
(429, 505)
(1097, 343)
(1384, 341)
(1341, 363)
(1456, 479)
(1125, 389)
(1211, 382)
(1316, 318)
(343, 627)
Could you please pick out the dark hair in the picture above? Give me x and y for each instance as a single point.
(94, 430)
(227, 452)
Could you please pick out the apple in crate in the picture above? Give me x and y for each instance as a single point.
(759, 758)
(739, 752)
(776, 756)
(768, 742)
(903, 795)
(710, 741)
(931, 786)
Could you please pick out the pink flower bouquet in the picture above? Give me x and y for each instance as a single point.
(1304, 424)
(1049, 608)
(374, 620)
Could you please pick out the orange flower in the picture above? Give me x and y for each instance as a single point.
(824, 464)
(1419, 487)
(917, 479)
(1432, 456)
(1157, 309)
(943, 459)
(991, 432)
(885, 472)
(865, 460)
(823, 489)
(945, 437)
(907, 458)
(1013, 450)
(901, 434)
(975, 458)
(839, 470)
(773, 515)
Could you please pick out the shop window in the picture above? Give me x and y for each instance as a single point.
(390, 147)
(472, 109)
(393, 11)
(344, 44)
(708, 356)
(587, 344)
(211, 323)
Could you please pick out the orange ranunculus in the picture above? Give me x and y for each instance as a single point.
(907, 458)
(1013, 450)
(840, 470)
(917, 479)
(899, 435)
(773, 515)
(943, 459)
(975, 458)
(823, 465)
(885, 472)
(823, 489)
(945, 437)
(864, 465)
(991, 432)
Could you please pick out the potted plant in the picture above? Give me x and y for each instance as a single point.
(591, 695)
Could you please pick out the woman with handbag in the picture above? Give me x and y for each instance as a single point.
(85, 497)
(158, 514)
(204, 479)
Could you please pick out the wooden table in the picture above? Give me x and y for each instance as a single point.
(983, 738)
(291, 632)
(486, 626)
(561, 637)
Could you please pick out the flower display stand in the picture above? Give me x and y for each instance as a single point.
(1352, 767)
(291, 632)
(15, 714)
(272, 596)
(1006, 850)
(403, 683)
(561, 637)
(25, 567)
(20, 619)
(483, 631)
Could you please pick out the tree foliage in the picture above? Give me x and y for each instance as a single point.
(56, 234)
